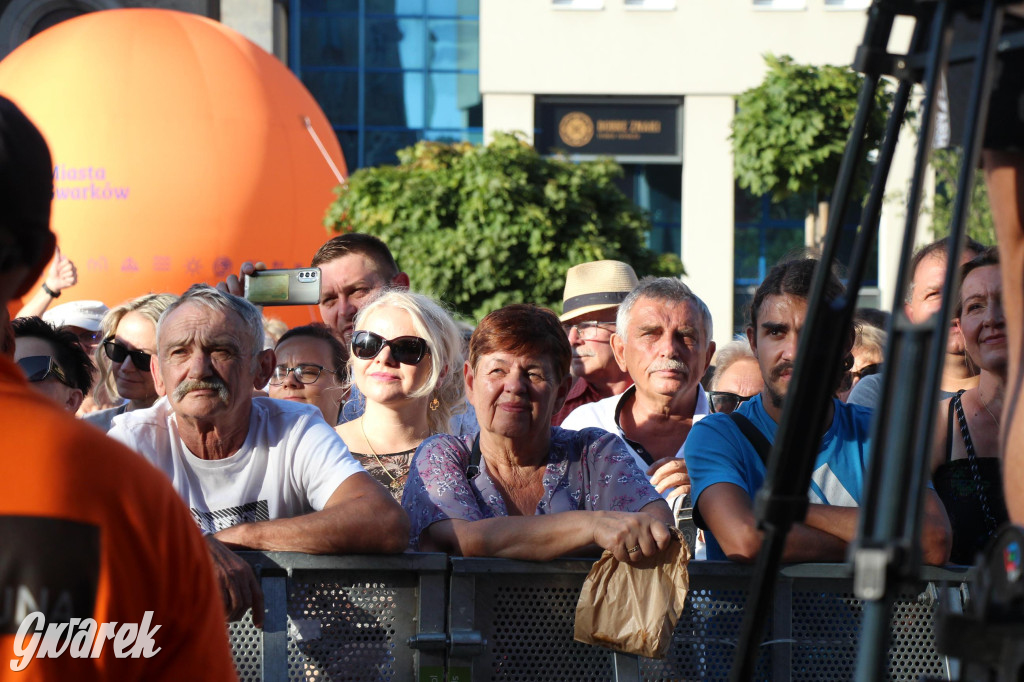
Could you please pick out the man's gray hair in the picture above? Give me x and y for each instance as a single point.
(667, 289)
(727, 355)
(215, 299)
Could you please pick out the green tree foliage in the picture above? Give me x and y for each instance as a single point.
(980, 226)
(480, 227)
(789, 133)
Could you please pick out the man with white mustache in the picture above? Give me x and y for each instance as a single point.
(257, 473)
(663, 339)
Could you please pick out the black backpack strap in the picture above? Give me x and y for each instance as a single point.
(753, 434)
(474, 460)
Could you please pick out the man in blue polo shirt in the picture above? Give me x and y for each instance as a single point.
(726, 470)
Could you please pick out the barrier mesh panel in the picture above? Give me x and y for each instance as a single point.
(826, 630)
(348, 631)
(912, 647)
(246, 649)
(529, 632)
(704, 641)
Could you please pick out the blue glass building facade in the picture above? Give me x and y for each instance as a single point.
(388, 73)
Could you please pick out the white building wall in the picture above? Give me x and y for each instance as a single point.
(508, 112)
(707, 243)
(706, 51)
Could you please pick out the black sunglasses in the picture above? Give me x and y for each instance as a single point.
(305, 373)
(867, 370)
(723, 401)
(408, 350)
(40, 367)
(117, 352)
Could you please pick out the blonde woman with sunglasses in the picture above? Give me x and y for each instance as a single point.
(406, 362)
(129, 342)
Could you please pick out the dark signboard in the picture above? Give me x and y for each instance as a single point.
(608, 129)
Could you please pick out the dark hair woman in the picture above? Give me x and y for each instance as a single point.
(965, 458)
(522, 488)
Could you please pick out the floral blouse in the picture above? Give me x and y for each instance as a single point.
(588, 469)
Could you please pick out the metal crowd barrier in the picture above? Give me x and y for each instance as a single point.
(430, 618)
(344, 618)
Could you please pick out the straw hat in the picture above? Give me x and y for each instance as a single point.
(594, 286)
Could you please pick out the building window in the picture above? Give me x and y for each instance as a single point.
(578, 4)
(847, 4)
(388, 73)
(657, 189)
(780, 4)
(662, 5)
(766, 232)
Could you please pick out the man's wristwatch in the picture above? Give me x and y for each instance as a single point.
(50, 292)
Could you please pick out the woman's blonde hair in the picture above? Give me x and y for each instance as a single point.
(150, 306)
(871, 339)
(436, 326)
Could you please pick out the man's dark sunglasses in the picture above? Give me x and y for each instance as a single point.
(40, 367)
(117, 352)
(723, 401)
(408, 350)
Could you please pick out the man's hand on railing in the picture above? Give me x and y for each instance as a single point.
(239, 586)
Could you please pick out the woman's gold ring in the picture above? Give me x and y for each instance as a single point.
(634, 549)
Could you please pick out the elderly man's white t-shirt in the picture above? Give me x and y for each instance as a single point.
(290, 463)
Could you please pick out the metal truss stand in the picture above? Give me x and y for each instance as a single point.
(888, 554)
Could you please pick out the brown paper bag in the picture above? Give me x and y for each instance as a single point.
(633, 608)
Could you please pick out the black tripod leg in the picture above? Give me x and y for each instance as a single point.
(890, 552)
(784, 497)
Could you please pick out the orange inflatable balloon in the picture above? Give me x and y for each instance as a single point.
(180, 150)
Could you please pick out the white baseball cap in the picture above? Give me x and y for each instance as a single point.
(82, 314)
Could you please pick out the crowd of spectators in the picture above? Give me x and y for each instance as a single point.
(381, 431)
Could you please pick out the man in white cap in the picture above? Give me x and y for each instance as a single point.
(82, 318)
(593, 292)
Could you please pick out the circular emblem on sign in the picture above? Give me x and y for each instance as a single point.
(576, 129)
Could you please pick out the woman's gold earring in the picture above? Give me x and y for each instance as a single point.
(434, 404)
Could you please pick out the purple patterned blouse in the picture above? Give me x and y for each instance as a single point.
(587, 469)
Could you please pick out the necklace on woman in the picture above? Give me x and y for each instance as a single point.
(394, 484)
(981, 400)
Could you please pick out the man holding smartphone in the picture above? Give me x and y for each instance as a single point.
(353, 266)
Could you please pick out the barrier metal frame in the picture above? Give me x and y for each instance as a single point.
(483, 591)
(460, 619)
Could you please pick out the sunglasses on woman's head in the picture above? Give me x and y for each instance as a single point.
(40, 367)
(117, 352)
(408, 350)
(723, 401)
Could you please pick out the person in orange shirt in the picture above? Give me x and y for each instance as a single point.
(97, 553)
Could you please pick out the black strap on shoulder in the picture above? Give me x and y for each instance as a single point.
(950, 415)
(753, 434)
(474, 459)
